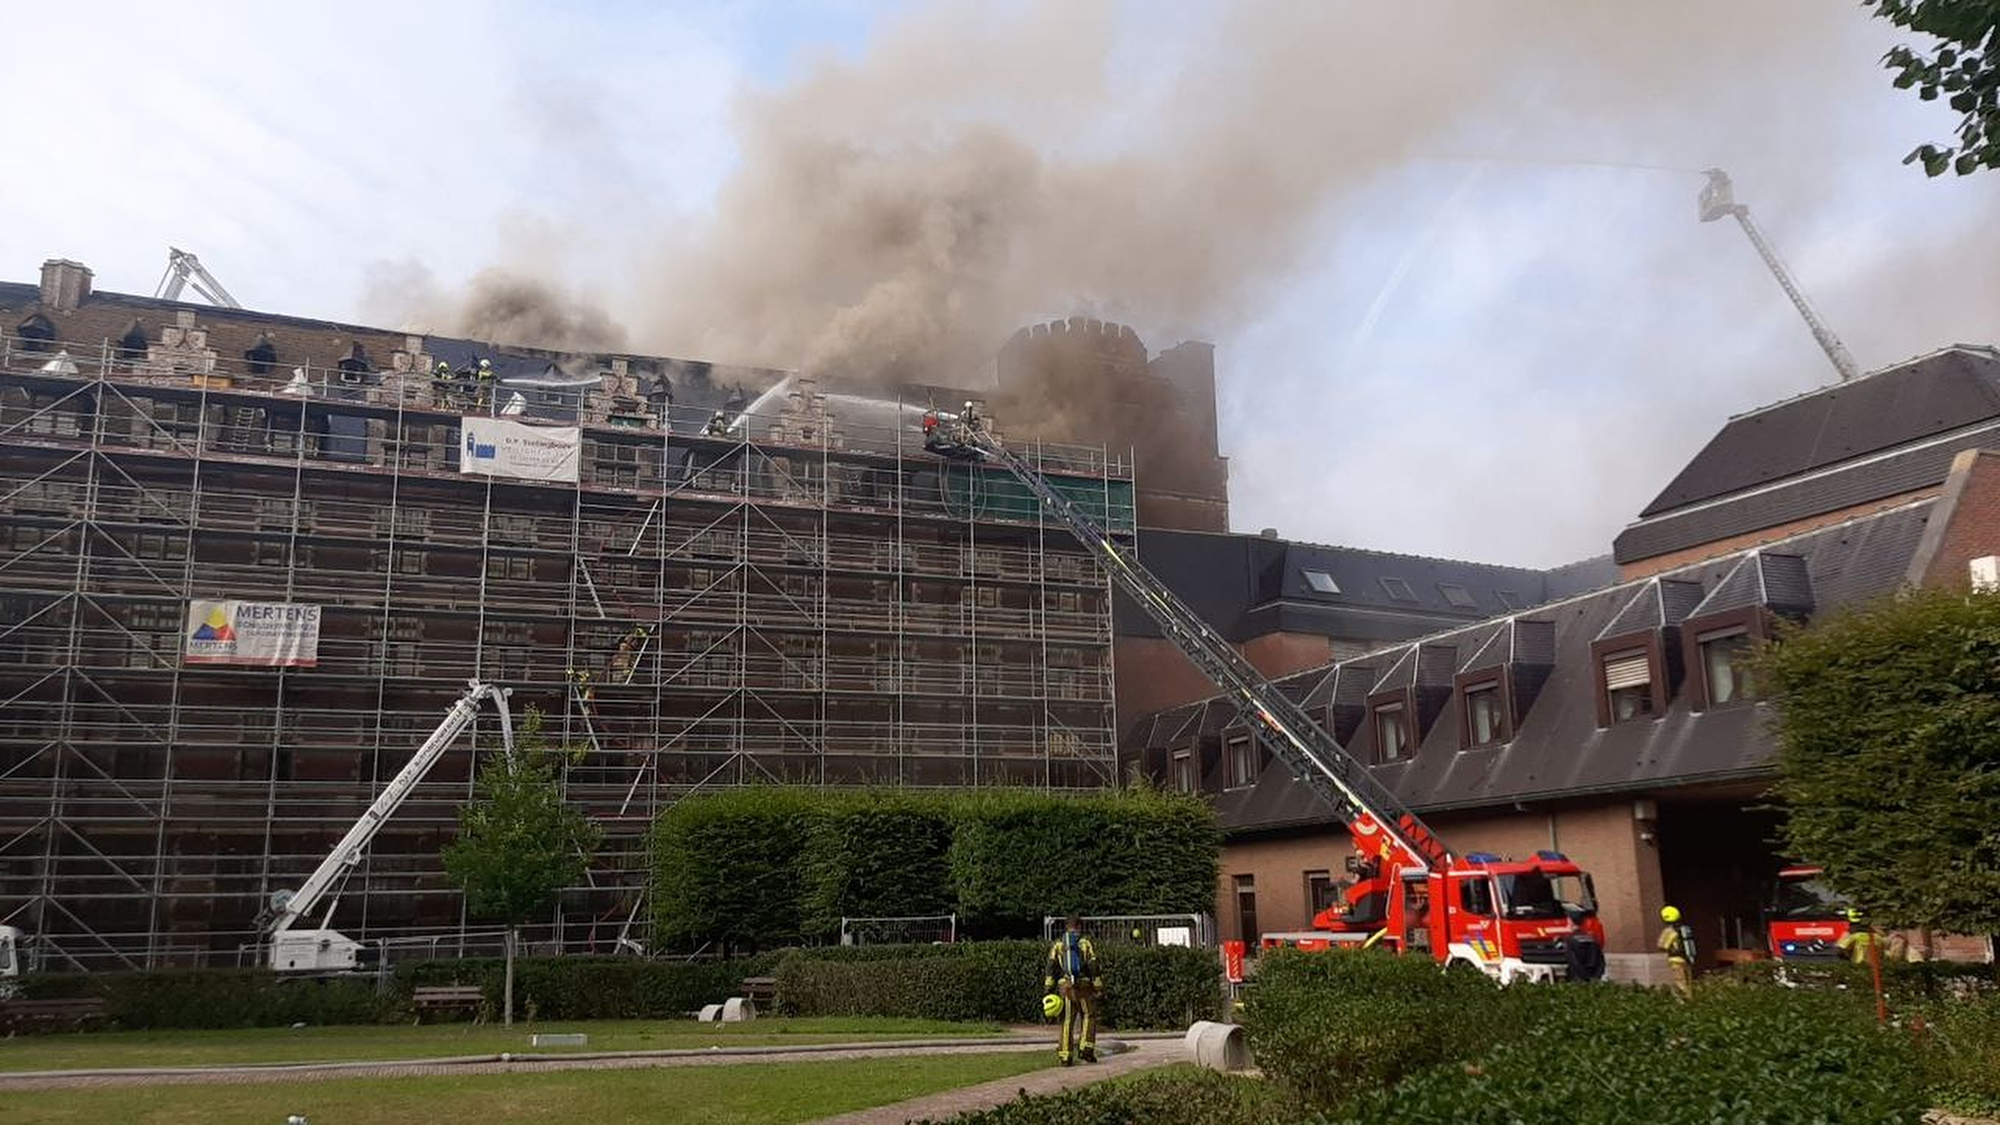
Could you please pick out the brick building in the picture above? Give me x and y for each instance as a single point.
(1619, 725)
(810, 598)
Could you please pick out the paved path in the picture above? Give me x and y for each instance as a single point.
(510, 1063)
(1144, 1055)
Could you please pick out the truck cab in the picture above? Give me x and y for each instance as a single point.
(1505, 918)
(1804, 919)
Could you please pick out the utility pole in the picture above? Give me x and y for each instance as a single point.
(1719, 199)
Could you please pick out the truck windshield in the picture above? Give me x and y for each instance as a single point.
(1807, 898)
(1532, 894)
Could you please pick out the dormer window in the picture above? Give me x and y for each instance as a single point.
(132, 345)
(1183, 777)
(1725, 665)
(1241, 757)
(36, 333)
(1628, 684)
(261, 358)
(1392, 731)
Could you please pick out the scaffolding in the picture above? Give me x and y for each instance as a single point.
(818, 602)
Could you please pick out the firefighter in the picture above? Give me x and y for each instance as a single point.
(441, 384)
(718, 425)
(1858, 938)
(1677, 942)
(1582, 955)
(1072, 974)
(484, 375)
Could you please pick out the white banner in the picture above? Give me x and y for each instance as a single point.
(500, 448)
(275, 634)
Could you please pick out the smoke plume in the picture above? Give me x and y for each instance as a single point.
(501, 305)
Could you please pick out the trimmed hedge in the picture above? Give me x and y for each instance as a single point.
(1373, 1039)
(770, 867)
(1178, 1096)
(1145, 986)
(216, 998)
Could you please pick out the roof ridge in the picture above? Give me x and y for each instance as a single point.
(1403, 554)
(1988, 350)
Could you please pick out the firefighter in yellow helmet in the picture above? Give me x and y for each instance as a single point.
(1073, 975)
(1858, 938)
(1677, 942)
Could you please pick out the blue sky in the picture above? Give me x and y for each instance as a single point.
(1454, 313)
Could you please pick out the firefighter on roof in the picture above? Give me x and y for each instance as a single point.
(718, 425)
(1677, 942)
(1072, 974)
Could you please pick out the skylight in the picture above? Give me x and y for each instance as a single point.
(1457, 595)
(1321, 582)
(1399, 590)
(1508, 598)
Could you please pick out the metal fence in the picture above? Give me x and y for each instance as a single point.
(1194, 930)
(920, 929)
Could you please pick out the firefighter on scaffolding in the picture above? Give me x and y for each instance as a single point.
(1072, 975)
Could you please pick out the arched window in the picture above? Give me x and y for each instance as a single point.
(132, 345)
(262, 356)
(36, 333)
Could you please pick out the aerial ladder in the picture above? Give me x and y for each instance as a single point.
(1718, 201)
(1506, 918)
(294, 949)
(184, 269)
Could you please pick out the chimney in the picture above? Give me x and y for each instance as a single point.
(1269, 533)
(65, 284)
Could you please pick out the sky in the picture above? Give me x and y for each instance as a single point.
(1448, 253)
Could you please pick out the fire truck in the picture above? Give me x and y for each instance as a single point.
(1805, 919)
(1411, 893)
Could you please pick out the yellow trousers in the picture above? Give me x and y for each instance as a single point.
(1079, 1023)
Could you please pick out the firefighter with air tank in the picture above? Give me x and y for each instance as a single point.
(1072, 984)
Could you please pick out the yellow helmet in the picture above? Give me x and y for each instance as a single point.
(1853, 916)
(1051, 1005)
(1670, 914)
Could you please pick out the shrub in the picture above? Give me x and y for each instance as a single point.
(764, 868)
(1178, 1096)
(994, 980)
(216, 998)
(1329, 1024)
(1959, 1050)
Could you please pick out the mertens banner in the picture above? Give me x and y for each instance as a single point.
(275, 634)
(500, 448)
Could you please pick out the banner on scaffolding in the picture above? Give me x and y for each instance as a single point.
(271, 634)
(497, 447)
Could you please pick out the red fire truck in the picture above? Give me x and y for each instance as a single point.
(1805, 919)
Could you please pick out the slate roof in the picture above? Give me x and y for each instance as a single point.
(1558, 750)
(1883, 435)
(1248, 585)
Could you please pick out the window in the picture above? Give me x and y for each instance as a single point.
(1183, 779)
(509, 567)
(1246, 910)
(1321, 891)
(1628, 683)
(1509, 599)
(1485, 718)
(1392, 732)
(262, 356)
(1242, 754)
(132, 345)
(1475, 896)
(36, 333)
(412, 562)
(989, 597)
(155, 617)
(1399, 590)
(1725, 665)
(1321, 582)
(1457, 595)
(1066, 601)
(151, 546)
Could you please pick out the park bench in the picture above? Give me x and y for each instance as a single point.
(761, 991)
(17, 1015)
(448, 998)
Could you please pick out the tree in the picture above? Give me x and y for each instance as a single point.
(1889, 755)
(518, 843)
(1964, 67)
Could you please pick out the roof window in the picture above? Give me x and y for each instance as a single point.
(1399, 590)
(1509, 599)
(1457, 595)
(1321, 582)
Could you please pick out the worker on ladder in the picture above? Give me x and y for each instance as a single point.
(585, 690)
(625, 661)
(1073, 976)
(1677, 942)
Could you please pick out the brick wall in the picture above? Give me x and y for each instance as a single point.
(231, 332)
(1967, 524)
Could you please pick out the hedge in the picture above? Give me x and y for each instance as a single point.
(216, 998)
(594, 988)
(1145, 986)
(1373, 1039)
(1179, 1095)
(768, 867)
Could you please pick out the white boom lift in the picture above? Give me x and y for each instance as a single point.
(183, 269)
(324, 949)
(1718, 199)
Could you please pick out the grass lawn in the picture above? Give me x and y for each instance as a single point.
(748, 1094)
(335, 1044)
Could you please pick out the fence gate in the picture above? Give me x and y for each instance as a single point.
(920, 929)
(1194, 930)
